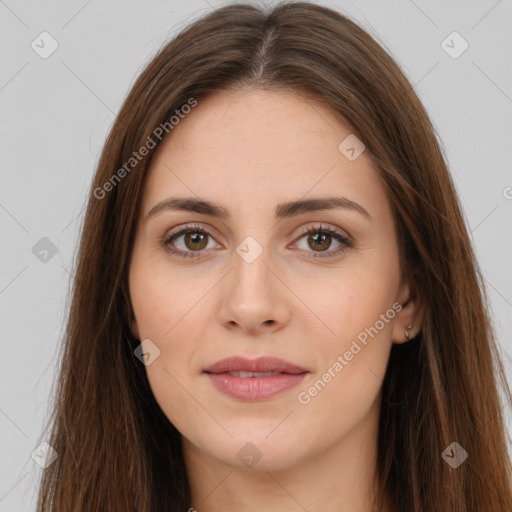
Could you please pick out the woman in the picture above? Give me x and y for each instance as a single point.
(276, 304)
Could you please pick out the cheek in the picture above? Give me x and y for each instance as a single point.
(169, 309)
(164, 309)
(353, 302)
(163, 298)
(354, 343)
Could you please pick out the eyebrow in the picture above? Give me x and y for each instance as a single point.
(283, 210)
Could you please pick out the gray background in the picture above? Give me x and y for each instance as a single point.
(56, 113)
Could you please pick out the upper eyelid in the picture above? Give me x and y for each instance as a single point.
(198, 226)
(323, 226)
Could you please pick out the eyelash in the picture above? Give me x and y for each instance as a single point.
(345, 241)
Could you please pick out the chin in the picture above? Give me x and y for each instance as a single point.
(261, 452)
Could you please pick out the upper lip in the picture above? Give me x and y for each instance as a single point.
(261, 364)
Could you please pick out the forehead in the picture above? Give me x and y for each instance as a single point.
(268, 123)
(260, 146)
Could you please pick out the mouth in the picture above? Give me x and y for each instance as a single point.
(247, 375)
(254, 380)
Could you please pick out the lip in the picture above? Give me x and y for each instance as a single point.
(254, 388)
(261, 364)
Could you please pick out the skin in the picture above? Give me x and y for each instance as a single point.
(249, 150)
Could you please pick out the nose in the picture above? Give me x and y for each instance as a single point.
(254, 299)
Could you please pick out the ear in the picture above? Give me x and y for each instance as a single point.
(134, 328)
(411, 314)
(128, 313)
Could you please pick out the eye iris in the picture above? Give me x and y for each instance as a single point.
(316, 236)
(196, 238)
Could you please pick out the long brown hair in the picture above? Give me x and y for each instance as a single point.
(116, 449)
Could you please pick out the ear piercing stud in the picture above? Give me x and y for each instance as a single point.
(407, 332)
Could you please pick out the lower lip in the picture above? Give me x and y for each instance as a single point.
(254, 388)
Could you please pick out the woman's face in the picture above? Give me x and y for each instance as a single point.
(259, 276)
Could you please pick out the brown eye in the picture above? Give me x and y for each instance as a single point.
(187, 241)
(319, 241)
(195, 241)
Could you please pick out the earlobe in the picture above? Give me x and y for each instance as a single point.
(408, 320)
(406, 333)
(135, 329)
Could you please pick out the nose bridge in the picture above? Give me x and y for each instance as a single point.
(251, 295)
(251, 260)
